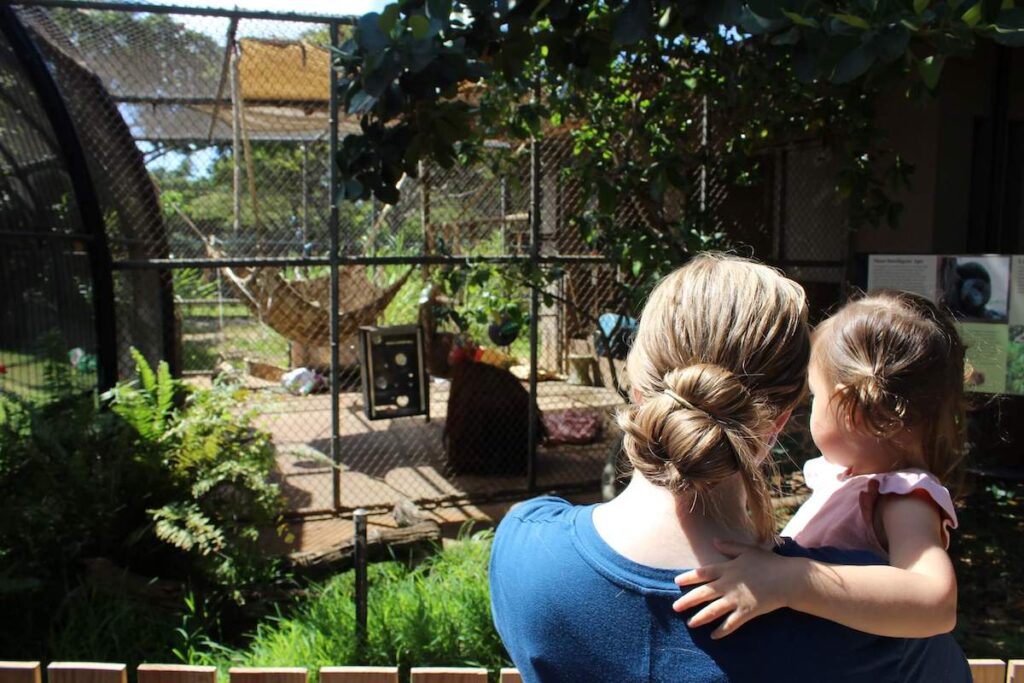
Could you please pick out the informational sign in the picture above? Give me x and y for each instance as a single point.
(985, 294)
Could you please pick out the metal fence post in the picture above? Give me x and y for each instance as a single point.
(535, 199)
(333, 229)
(362, 586)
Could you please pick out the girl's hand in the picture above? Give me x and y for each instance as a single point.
(753, 583)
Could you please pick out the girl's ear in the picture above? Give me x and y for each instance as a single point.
(634, 394)
(839, 398)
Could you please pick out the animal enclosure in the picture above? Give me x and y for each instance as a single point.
(171, 189)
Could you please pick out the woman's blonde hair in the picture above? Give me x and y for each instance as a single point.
(721, 352)
(899, 364)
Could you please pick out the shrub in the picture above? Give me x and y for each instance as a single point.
(161, 479)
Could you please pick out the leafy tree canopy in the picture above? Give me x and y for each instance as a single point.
(650, 90)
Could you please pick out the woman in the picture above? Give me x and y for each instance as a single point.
(585, 593)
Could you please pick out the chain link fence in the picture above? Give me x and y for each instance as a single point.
(208, 137)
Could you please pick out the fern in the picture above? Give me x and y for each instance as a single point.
(164, 394)
(143, 368)
(185, 526)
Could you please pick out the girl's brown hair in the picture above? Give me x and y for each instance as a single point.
(720, 353)
(899, 364)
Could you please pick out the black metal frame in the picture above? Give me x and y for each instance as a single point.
(70, 148)
(198, 11)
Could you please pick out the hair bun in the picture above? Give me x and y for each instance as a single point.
(868, 399)
(703, 427)
(715, 391)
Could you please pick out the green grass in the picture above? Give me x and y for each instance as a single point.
(242, 337)
(26, 375)
(435, 614)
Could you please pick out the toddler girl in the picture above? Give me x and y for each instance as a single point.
(886, 377)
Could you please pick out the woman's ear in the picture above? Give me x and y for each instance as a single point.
(635, 395)
(781, 420)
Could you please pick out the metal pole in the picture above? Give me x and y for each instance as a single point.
(284, 261)
(362, 586)
(236, 143)
(225, 67)
(535, 202)
(305, 197)
(335, 303)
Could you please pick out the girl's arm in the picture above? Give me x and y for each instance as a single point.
(915, 597)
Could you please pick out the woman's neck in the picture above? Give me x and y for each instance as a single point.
(650, 525)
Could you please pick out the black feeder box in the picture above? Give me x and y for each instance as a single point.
(393, 372)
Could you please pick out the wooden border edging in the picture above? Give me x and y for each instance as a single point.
(280, 674)
(173, 673)
(988, 670)
(982, 671)
(20, 672)
(358, 674)
(510, 676)
(86, 672)
(443, 674)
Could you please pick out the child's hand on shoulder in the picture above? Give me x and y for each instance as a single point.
(754, 582)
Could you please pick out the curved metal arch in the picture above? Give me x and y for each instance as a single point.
(70, 148)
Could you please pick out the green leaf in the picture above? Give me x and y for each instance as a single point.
(361, 103)
(930, 69)
(666, 18)
(145, 371)
(164, 394)
(854, 64)
(420, 26)
(800, 20)
(368, 34)
(788, 37)
(920, 6)
(388, 18)
(972, 16)
(891, 44)
(1008, 37)
(853, 20)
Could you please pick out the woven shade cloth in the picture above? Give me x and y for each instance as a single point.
(287, 71)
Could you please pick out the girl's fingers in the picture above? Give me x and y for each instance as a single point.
(716, 610)
(699, 575)
(696, 597)
(731, 623)
(733, 548)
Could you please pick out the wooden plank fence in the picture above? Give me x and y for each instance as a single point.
(983, 671)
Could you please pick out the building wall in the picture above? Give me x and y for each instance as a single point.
(936, 134)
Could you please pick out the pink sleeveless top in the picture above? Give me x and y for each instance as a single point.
(841, 510)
